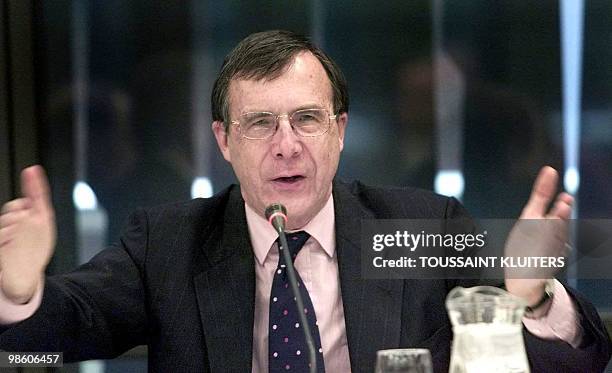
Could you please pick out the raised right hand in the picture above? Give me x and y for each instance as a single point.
(27, 237)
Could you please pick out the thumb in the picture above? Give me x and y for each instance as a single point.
(35, 186)
(542, 193)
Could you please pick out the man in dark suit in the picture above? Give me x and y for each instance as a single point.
(195, 281)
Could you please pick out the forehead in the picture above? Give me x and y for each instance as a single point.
(303, 83)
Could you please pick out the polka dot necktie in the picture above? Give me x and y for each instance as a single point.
(287, 348)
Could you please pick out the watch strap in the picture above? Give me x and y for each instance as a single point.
(540, 308)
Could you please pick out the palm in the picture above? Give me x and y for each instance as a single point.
(539, 232)
(27, 236)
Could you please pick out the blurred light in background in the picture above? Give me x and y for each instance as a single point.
(449, 183)
(201, 188)
(84, 197)
(572, 18)
(571, 180)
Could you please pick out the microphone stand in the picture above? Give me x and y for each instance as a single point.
(312, 358)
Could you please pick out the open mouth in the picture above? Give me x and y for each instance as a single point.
(289, 179)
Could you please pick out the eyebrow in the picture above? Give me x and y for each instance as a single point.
(256, 114)
(310, 106)
(301, 107)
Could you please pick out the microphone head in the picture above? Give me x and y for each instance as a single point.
(276, 214)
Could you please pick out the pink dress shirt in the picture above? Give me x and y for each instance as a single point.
(317, 264)
(11, 313)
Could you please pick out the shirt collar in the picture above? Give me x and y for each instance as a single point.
(263, 235)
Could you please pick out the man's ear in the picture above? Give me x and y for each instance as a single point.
(342, 121)
(222, 138)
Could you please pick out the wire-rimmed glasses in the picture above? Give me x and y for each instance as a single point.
(305, 123)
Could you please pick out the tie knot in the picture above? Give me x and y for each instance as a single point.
(296, 241)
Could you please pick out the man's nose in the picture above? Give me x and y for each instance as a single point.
(287, 143)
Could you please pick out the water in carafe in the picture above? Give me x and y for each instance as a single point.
(487, 331)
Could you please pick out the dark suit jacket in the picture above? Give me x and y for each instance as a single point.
(182, 281)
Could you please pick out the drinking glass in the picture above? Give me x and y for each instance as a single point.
(404, 360)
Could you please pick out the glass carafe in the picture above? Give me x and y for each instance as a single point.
(487, 331)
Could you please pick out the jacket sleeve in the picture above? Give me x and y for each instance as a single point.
(557, 356)
(95, 312)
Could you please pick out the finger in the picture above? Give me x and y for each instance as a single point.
(13, 217)
(7, 234)
(34, 185)
(543, 192)
(16, 205)
(562, 208)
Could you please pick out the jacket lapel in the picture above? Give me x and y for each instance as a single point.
(372, 308)
(226, 290)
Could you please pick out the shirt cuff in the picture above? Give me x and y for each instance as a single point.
(11, 313)
(561, 320)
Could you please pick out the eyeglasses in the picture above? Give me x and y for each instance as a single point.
(305, 123)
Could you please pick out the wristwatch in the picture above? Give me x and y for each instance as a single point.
(541, 307)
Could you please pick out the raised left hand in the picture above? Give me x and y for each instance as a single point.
(539, 232)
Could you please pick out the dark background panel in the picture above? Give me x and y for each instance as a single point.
(141, 58)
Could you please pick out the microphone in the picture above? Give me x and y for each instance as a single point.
(276, 214)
